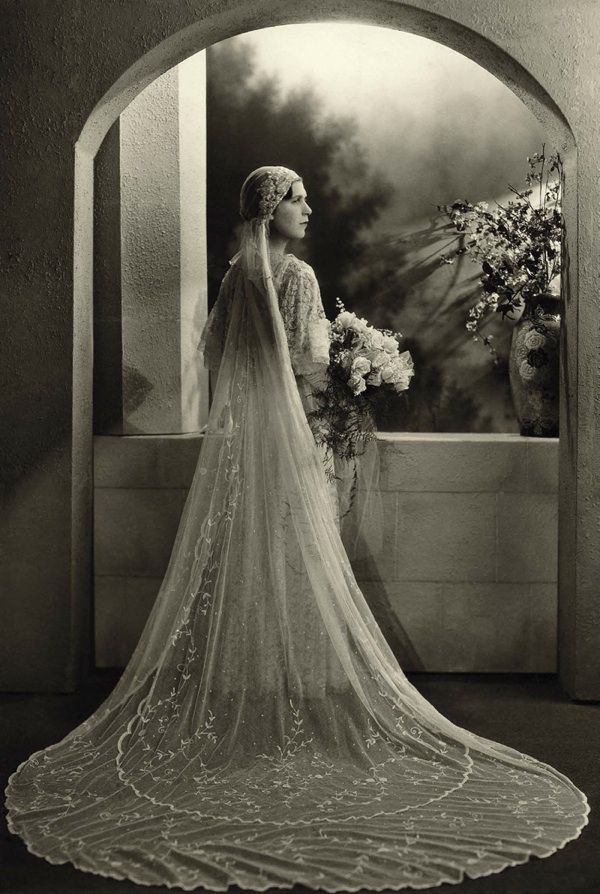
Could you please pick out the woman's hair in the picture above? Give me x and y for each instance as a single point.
(260, 188)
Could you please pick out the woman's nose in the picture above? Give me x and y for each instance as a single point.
(307, 208)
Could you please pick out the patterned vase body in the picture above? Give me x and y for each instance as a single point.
(534, 366)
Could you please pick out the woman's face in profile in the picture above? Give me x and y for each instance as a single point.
(290, 218)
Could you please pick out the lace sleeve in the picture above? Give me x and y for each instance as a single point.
(307, 328)
(212, 340)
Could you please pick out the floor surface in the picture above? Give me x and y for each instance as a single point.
(526, 712)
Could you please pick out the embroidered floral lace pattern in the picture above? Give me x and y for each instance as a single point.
(274, 187)
(263, 733)
(304, 320)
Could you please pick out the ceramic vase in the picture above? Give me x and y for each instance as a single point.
(534, 367)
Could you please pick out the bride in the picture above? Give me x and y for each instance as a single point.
(263, 733)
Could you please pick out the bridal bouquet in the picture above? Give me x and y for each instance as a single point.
(366, 372)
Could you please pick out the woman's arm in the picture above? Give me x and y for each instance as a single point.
(307, 327)
(212, 340)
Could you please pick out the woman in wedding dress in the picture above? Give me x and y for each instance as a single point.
(263, 733)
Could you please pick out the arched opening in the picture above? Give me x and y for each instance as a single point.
(182, 45)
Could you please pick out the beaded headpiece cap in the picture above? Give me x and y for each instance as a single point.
(263, 190)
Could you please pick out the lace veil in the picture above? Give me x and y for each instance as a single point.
(263, 732)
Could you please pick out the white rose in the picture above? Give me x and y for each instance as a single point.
(535, 339)
(526, 371)
(377, 359)
(346, 319)
(387, 373)
(361, 366)
(390, 344)
(374, 378)
(377, 339)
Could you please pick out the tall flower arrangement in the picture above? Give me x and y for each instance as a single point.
(518, 245)
(366, 373)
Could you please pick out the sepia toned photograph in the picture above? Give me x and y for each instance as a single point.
(299, 532)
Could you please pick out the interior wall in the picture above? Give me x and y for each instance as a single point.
(108, 311)
(70, 69)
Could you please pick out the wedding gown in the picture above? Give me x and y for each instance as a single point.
(263, 733)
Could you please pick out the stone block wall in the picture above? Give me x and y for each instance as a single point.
(467, 577)
(140, 486)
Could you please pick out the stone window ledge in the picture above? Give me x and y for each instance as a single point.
(467, 437)
(410, 461)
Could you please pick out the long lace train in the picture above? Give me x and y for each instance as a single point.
(263, 733)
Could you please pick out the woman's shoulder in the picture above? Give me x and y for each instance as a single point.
(294, 271)
(232, 274)
(297, 267)
(235, 267)
(296, 263)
